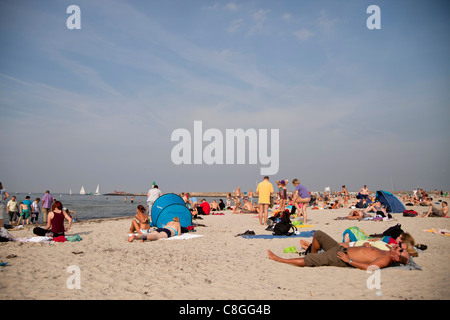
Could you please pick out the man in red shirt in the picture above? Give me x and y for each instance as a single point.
(203, 207)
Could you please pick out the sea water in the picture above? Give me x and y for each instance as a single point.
(97, 207)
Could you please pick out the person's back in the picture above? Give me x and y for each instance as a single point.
(154, 194)
(57, 223)
(265, 188)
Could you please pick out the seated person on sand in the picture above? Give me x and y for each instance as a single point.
(248, 207)
(140, 223)
(376, 207)
(435, 212)
(360, 203)
(193, 202)
(171, 229)
(236, 206)
(214, 206)
(72, 214)
(339, 256)
(336, 205)
(221, 204)
(202, 209)
(55, 222)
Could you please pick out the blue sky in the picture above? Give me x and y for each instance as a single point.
(98, 105)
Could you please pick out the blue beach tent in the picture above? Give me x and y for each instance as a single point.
(392, 203)
(167, 207)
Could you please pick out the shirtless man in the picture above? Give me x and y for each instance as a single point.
(339, 256)
(214, 206)
(364, 192)
(248, 207)
(435, 212)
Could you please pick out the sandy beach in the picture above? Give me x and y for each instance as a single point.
(218, 265)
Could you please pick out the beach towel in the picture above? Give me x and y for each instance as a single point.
(35, 239)
(411, 265)
(184, 236)
(355, 234)
(443, 232)
(74, 238)
(304, 234)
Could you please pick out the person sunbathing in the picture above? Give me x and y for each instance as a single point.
(336, 255)
(357, 215)
(435, 212)
(171, 229)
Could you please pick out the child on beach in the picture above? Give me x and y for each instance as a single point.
(282, 193)
(35, 211)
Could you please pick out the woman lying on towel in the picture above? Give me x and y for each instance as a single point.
(171, 229)
(354, 236)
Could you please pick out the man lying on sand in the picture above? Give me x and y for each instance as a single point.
(339, 256)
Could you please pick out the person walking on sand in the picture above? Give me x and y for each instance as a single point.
(265, 192)
(47, 201)
(302, 196)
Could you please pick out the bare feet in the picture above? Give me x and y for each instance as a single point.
(272, 256)
(130, 239)
(304, 244)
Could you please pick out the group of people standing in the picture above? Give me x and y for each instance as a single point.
(265, 191)
(26, 211)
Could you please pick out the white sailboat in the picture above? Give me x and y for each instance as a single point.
(70, 192)
(82, 190)
(97, 191)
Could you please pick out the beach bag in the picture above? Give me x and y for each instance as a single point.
(410, 213)
(283, 227)
(394, 232)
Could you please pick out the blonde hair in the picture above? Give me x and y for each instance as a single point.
(176, 219)
(408, 239)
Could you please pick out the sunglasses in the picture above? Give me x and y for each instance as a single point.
(400, 246)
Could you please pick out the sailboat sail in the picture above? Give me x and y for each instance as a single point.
(97, 192)
(82, 190)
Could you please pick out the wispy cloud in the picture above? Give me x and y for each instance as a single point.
(303, 34)
(235, 25)
(259, 17)
(326, 23)
(231, 6)
(287, 16)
